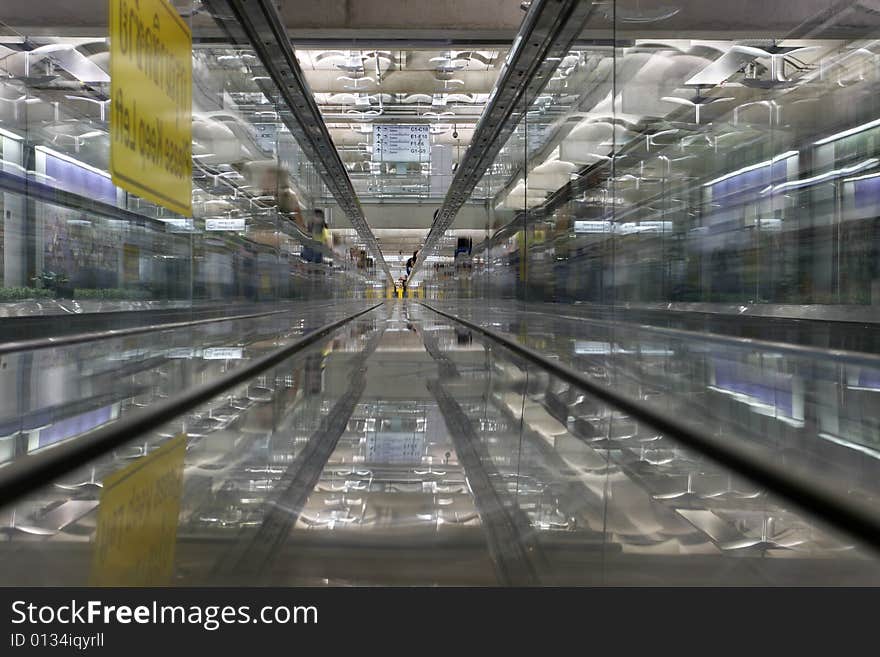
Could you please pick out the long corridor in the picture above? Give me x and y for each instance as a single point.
(462, 293)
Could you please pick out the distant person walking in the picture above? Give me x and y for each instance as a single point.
(411, 262)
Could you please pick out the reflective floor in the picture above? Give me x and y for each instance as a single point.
(406, 450)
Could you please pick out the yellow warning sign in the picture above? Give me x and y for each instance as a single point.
(151, 112)
(137, 520)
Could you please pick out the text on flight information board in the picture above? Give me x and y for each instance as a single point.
(401, 143)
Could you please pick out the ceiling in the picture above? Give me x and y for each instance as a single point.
(443, 89)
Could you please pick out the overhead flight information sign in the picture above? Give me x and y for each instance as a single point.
(401, 143)
(151, 112)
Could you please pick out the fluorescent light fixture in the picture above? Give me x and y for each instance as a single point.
(867, 176)
(836, 173)
(11, 135)
(873, 453)
(87, 99)
(20, 99)
(848, 133)
(72, 160)
(43, 176)
(6, 164)
(753, 167)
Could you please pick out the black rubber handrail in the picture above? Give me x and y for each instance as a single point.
(93, 336)
(794, 484)
(29, 473)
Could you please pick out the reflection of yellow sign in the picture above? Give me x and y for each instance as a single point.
(137, 520)
(521, 244)
(151, 112)
(130, 264)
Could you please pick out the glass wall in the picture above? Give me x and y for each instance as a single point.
(698, 154)
(73, 242)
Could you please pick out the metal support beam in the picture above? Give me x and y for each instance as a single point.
(546, 36)
(257, 24)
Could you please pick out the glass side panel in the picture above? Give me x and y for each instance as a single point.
(51, 395)
(798, 407)
(687, 155)
(74, 243)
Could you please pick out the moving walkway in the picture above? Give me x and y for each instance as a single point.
(395, 444)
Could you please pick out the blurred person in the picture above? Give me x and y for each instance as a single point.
(410, 263)
(317, 227)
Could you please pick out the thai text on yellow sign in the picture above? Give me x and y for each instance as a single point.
(151, 108)
(137, 520)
